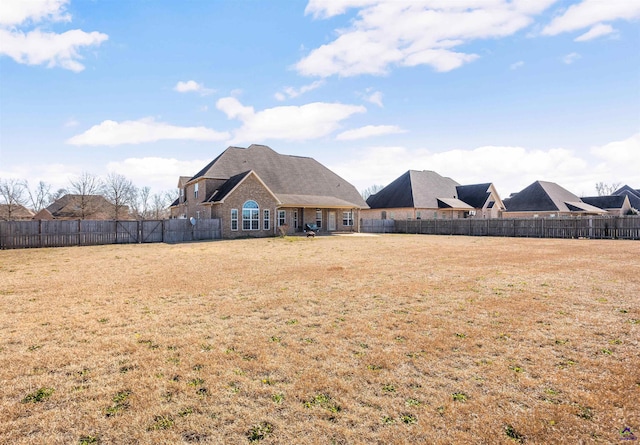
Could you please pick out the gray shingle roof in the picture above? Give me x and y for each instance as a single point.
(544, 196)
(416, 189)
(282, 174)
(606, 202)
(475, 195)
(69, 207)
(633, 194)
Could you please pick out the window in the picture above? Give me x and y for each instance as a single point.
(250, 216)
(181, 195)
(234, 219)
(418, 215)
(347, 218)
(319, 218)
(295, 219)
(282, 218)
(266, 219)
(198, 214)
(195, 190)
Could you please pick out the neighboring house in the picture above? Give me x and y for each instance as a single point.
(547, 199)
(615, 205)
(255, 190)
(18, 213)
(81, 207)
(427, 195)
(632, 194)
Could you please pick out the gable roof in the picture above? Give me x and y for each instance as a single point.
(633, 194)
(547, 196)
(69, 207)
(417, 189)
(285, 176)
(18, 212)
(428, 190)
(606, 202)
(475, 195)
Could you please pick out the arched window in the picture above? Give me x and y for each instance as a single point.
(250, 216)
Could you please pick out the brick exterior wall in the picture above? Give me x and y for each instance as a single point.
(253, 189)
(250, 189)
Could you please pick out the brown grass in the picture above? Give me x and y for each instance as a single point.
(387, 339)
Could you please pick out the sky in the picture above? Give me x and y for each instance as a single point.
(499, 91)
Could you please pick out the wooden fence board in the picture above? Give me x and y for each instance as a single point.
(627, 227)
(60, 233)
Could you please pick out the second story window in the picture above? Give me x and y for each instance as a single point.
(195, 190)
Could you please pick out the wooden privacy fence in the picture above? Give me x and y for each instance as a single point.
(624, 227)
(57, 233)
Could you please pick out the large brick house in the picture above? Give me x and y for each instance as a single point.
(254, 191)
(544, 199)
(428, 195)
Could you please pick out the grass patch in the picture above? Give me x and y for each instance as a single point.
(259, 431)
(389, 339)
(40, 395)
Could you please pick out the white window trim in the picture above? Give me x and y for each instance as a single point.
(282, 217)
(266, 219)
(195, 190)
(254, 217)
(319, 220)
(234, 211)
(348, 217)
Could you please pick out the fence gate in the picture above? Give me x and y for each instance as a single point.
(152, 231)
(127, 232)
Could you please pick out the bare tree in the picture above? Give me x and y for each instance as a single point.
(40, 197)
(158, 206)
(121, 192)
(12, 192)
(86, 186)
(58, 194)
(143, 202)
(605, 189)
(371, 191)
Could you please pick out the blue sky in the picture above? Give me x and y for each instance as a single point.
(497, 91)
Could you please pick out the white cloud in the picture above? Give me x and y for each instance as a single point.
(141, 131)
(596, 31)
(156, 172)
(509, 168)
(54, 173)
(16, 12)
(621, 155)
(192, 86)
(37, 47)
(294, 123)
(368, 131)
(570, 58)
(376, 98)
(516, 65)
(590, 12)
(391, 33)
(291, 92)
(71, 122)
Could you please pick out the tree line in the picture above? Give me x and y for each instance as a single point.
(127, 200)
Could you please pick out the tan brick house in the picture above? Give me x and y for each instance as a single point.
(544, 199)
(428, 195)
(254, 191)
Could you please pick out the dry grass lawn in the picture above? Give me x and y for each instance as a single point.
(343, 339)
